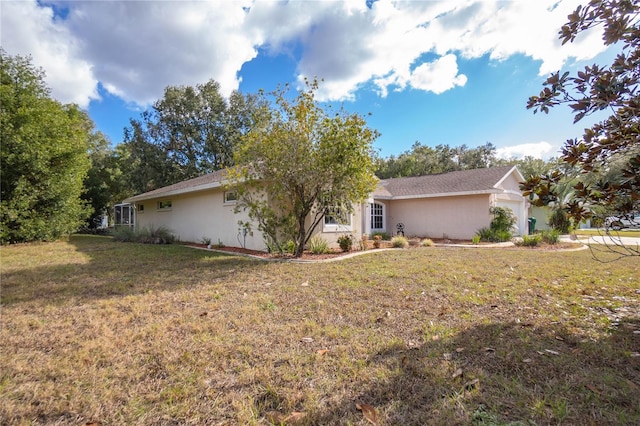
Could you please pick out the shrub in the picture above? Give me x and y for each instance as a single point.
(124, 234)
(427, 242)
(475, 239)
(383, 236)
(560, 221)
(150, 235)
(500, 228)
(551, 236)
(399, 242)
(345, 242)
(531, 240)
(376, 241)
(289, 247)
(206, 241)
(318, 245)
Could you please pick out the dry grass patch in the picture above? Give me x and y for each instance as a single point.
(94, 330)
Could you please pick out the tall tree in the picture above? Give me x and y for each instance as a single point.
(44, 157)
(300, 162)
(424, 160)
(616, 139)
(189, 132)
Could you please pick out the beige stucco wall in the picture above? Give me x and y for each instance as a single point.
(197, 215)
(457, 217)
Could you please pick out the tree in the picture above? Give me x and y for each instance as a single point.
(300, 162)
(189, 132)
(44, 157)
(609, 188)
(423, 160)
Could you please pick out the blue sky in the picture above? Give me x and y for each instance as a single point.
(438, 72)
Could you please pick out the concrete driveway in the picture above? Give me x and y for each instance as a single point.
(615, 238)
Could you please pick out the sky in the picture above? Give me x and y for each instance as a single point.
(436, 72)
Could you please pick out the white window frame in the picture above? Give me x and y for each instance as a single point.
(380, 215)
(332, 223)
(230, 197)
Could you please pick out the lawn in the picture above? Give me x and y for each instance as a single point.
(117, 333)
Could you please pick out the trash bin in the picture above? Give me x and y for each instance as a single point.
(532, 225)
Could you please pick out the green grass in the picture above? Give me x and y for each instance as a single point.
(635, 233)
(122, 333)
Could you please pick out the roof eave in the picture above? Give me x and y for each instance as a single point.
(442, 194)
(204, 187)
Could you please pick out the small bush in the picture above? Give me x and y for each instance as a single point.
(124, 234)
(559, 220)
(399, 242)
(150, 235)
(289, 247)
(205, 240)
(376, 241)
(475, 239)
(493, 235)
(383, 236)
(318, 245)
(531, 240)
(345, 242)
(551, 236)
(427, 242)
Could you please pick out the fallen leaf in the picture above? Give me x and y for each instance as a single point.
(459, 350)
(471, 384)
(447, 356)
(275, 417)
(369, 413)
(295, 417)
(305, 284)
(323, 351)
(527, 360)
(306, 339)
(559, 338)
(549, 351)
(489, 350)
(457, 373)
(592, 389)
(204, 314)
(435, 337)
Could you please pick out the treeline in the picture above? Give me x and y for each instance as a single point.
(60, 174)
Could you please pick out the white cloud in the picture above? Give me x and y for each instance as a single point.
(29, 29)
(135, 48)
(543, 150)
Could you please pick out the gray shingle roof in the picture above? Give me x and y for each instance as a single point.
(465, 181)
(210, 180)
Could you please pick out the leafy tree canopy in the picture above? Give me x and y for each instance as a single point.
(189, 132)
(608, 153)
(423, 160)
(44, 157)
(306, 161)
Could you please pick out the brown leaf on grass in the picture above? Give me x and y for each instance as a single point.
(470, 385)
(592, 389)
(322, 352)
(275, 417)
(369, 413)
(459, 350)
(204, 314)
(457, 373)
(295, 417)
(307, 340)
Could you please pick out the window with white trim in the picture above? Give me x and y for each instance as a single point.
(140, 208)
(337, 219)
(230, 197)
(377, 216)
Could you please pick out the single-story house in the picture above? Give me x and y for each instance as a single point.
(450, 205)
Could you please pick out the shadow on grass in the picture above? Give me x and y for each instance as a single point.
(503, 374)
(98, 267)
